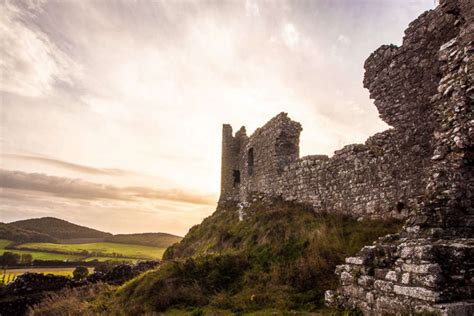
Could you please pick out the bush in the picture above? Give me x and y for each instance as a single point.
(9, 259)
(80, 273)
(103, 267)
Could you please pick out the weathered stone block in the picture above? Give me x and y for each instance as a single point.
(383, 286)
(406, 278)
(346, 278)
(418, 292)
(391, 276)
(354, 260)
(422, 268)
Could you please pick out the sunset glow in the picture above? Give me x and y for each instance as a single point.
(111, 111)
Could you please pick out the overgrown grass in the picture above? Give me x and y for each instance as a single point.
(73, 302)
(281, 256)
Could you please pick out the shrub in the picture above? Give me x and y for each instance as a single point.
(80, 273)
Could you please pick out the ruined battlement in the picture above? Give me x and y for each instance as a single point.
(388, 176)
(421, 169)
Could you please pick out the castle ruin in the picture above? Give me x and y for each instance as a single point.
(421, 169)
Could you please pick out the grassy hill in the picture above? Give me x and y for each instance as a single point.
(54, 230)
(51, 238)
(280, 256)
(161, 240)
(11, 232)
(58, 228)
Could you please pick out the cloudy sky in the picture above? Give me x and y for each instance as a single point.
(111, 111)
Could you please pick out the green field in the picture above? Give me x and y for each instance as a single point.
(37, 255)
(130, 260)
(11, 274)
(101, 249)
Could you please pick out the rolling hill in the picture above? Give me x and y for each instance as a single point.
(161, 240)
(11, 232)
(58, 228)
(55, 230)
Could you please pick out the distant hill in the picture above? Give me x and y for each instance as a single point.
(160, 240)
(17, 234)
(58, 228)
(55, 230)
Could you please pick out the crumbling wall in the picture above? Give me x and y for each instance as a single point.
(428, 267)
(259, 159)
(387, 176)
(421, 169)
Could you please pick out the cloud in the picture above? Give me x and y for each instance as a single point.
(290, 35)
(30, 64)
(70, 165)
(251, 7)
(344, 39)
(80, 189)
(146, 85)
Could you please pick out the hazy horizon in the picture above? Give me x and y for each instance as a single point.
(111, 112)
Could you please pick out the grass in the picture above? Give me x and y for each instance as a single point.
(278, 261)
(131, 260)
(38, 255)
(101, 249)
(64, 271)
(281, 256)
(4, 243)
(89, 251)
(11, 274)
(72, 301)
(159, 240)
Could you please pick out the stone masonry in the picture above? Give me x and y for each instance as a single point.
(421, 169)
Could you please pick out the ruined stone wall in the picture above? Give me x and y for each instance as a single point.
(422, 169)
(260, 159)
(387, 176)
(384, 177)
(429, 266)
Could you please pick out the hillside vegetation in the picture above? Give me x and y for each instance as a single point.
(280, 256)
(58, 228)
(160, 240)
(10, 232)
